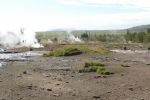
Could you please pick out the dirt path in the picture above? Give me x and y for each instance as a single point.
(57, 78)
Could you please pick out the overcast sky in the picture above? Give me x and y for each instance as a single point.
(41, 15)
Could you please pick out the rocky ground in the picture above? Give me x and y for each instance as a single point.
(57, 78)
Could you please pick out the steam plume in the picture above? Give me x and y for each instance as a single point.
(18, 38)
(71, 38)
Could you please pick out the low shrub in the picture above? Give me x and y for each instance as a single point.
(87, 64)
(63, 52)
(71, 51)
(95, 67)
(101, 70)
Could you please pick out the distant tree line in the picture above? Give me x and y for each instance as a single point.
(138, 37)
(87, 36)
(134, 37)
(124, 37)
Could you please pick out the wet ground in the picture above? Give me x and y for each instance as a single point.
(57, 78)
(11, 56)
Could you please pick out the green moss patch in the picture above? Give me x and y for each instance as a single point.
(87, 64)
(63, 52)
(94, 67)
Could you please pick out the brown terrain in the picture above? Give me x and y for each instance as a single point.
(57, 78)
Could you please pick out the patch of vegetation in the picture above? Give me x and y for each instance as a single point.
(75, 49)
(102, 36)
(87, 64)
(90, 48)
(71, 51)
(89, 69)
(119, 36)
(138, 37)
(97, 69)
(94, 67)
(101, 70)
(63, 52)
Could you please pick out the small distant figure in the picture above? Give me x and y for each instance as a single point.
(148, 48)
(23, 41)
(31, 49)
(125, 48)
(22, 30)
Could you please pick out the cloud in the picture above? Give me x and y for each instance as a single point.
(99, 21)
(144, 4)
(81, 21)
(70, 2)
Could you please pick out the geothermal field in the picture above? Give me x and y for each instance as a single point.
(72, 67)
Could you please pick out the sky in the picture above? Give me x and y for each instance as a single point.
(44, 15)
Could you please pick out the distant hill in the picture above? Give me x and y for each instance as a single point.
(83, 31)
(141, 28)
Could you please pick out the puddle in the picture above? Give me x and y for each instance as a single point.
(17, 56)
(130, 51)
(2, 64)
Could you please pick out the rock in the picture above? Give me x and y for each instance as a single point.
(60, 79)
(66, 82)
(19, 75)
(56, 95)
(97, 76)
(57, 84)
(107, 73)
(109, 92)
(125, 65)
(67, 69)
(116, 59)
(20, 98)
(131, 89)
(25, 72)
(47, 75)
(104, 76)
(35, 86)
(125, 48)
(49, 89)
(96, 97)
(30, 87)
(148, 64)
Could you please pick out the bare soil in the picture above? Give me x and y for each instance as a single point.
(57, 78)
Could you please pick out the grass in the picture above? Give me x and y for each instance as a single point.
(100, 70)
(87, 64)
(71, 51)
(90, 48)
(63, 52)
(94, 67)
(75, 49)
(97, 69)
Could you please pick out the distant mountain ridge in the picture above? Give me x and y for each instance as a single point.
(141, 28)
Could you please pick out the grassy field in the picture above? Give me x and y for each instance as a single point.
(93, 35)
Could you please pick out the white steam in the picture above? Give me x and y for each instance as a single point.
(71, 38)
(19, 38)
